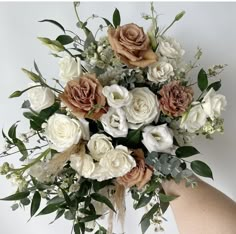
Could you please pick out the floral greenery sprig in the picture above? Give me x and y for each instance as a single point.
(120, 118)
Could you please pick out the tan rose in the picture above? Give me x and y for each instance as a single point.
(139, 175)
(175, 98)
(84, 97)
(131, 45)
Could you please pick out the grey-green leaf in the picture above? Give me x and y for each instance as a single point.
(201, 169)
(186, 151)
(16, 196)
(166, 198)
(116, 18)
(202, 80)
(35, 203)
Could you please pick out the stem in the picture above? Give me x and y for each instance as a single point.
(168, 27)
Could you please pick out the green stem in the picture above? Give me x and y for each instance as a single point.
(168, 27)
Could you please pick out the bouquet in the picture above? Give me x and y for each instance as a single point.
(119, 119)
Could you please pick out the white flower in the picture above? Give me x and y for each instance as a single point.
(69, 68)
(117, 96)
(63, 132)
(99, 145)
(158, 138)
(83, 164)
(114, 123)
(160, 72)
(143, 109)
(194, 119)
(170, 48)
(213, 104)
(100, 173)
(40, 98)
(117, 162)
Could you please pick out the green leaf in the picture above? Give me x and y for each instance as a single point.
(133, 138)
(21, 147)
(99, 185)
(186, 151)
(16, 196)
(15, 94)
(52, 44)
(150, 213)
(116, 18)
(48, 209)
(59, 214)
(67, 198)
(201, 169)
(145, 225)
(37, 69)
(12, 131)
(108, 23)
(164, 206)
(89, 40)
(65, 39)
(34, 77)
(26, 104)
(53, 22)
(77, 228)
(25, 201)
(144, 200)
(216, 86)
(166, 198)
(202, 80)
(89, 218)
(35, 203)
(100, 198)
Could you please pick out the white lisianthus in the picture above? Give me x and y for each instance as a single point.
(213, 104)
(40, 98)
(83, 164)
(170, 48)
(160, 72)
(117, 162)
(69, 68)
(117, 96)
(143, 109)
(114, 122)
(99, 145)
(63, 132)
(100, 173)
(193, 120)
(158, 138)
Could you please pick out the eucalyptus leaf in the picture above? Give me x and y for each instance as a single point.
(58, 215)
(89, 40)
(48, 209)
(202, 80)
(144, 200)
(201, 169)
(166, 198)
(100, 198)
(89, 218)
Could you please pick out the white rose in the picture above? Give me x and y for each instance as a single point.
(117, 96)
(83, 164)
(99, 145)
(63, 132)
(69, 68)
(158, 138)
(194, 119)
(100, 173)
(213, 103)
(40, 98)
(117, 162)
(114, 123)
(170, 48)
(160, 72)
(143, 109)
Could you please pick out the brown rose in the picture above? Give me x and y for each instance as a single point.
(175, 98)
(131, 45)
(84, 97)
(139, 175)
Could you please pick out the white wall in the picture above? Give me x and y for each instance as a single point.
(208, 25)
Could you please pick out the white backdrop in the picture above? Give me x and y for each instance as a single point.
(208, 25)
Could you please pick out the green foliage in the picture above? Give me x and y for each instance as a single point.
(53, 22)
(202, 80)
(116, 18)
(186, 151)
(132, 140)
(201, 169)
(48, 209)
(215, 85)
(35, 204)
(144, 200)
(166, 198)
(34, 77)
(65, 39)
(100, 198)
(16, 196)
(89, 40)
